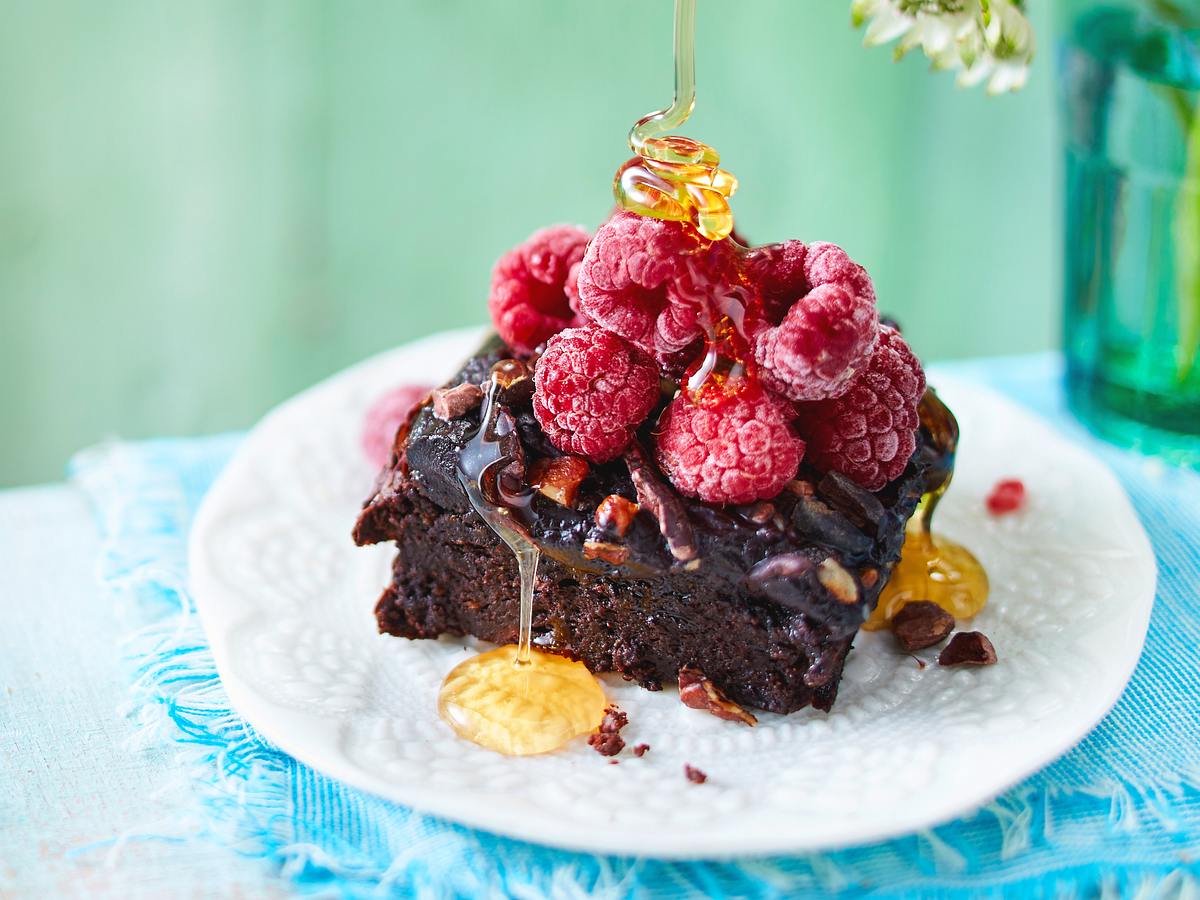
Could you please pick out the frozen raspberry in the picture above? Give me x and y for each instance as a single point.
(822, 323)
(383, 419)
(1006, 497)
(591, 391)
(531, 291)
(655, 283)
(869, 433)
(741, 450)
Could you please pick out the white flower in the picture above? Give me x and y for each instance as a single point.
(984, 40)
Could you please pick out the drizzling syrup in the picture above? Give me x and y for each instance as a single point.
(674, 177)
(933, 567)
(514, 699)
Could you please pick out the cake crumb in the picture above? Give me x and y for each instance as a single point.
(606, 744)
(640, 750)
(694, 775)
(607, 741)
(614, 720)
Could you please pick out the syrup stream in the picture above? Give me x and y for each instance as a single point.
(514, 699)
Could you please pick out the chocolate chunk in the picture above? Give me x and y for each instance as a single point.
(815, 519)
(968, 648)
(921, 624)
(515, 381)
(858, 504)
(696, 691)
(640, 750)
(606, 744)
(455, 402)
(694, 775)
(663, 503)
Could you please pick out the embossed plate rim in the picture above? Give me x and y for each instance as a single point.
(319, 739)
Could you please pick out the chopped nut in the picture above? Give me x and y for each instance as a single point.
(612, 553)
(694, 775)
(698, 692)
(921, 624)
(559, 477)
(759, 513)
(799, 488)
(869, 577)
(837, 581)
(606, 744)
(640, 750)
(968, 648)
(782, 565)
(455, 402)
(663, 503)
(515, 381)
(617, 513)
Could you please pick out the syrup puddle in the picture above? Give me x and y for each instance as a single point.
(514, 699)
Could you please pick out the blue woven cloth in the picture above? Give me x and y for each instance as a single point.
(1119, 814)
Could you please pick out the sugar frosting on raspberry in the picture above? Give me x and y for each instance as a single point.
(869, 433)
(825, 326)
(591, 391)
(738, 451)
(532, 290)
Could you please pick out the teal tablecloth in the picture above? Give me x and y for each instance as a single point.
(1120, 813)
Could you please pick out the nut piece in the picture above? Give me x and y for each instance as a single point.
(694, 775)
(452, 403)
(611, 553)
(837, 581)
(782, 565)
(559, 477)
(617, 513)
(514, 380)
(663, 503)
(921, 624)
(968, 648)
(696, 691)
(759, 513)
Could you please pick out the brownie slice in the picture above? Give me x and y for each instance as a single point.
(764, 599)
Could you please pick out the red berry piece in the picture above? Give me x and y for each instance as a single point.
(531, 287)
(822, 323)
(1006, 497)
(869, 433)
(741, 450)
(656, 284)
(591, 391)
(384, 418)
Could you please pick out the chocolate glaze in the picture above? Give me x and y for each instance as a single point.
(750, 571)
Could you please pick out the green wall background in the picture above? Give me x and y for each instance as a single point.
(207, 206)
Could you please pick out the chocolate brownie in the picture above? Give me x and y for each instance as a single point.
(763, 599)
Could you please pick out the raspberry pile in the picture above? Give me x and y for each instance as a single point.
(777, 355)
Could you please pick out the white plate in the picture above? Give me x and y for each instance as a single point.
(287, 600)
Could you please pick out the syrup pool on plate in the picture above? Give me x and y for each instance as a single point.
(514, 699)
(933, 567)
